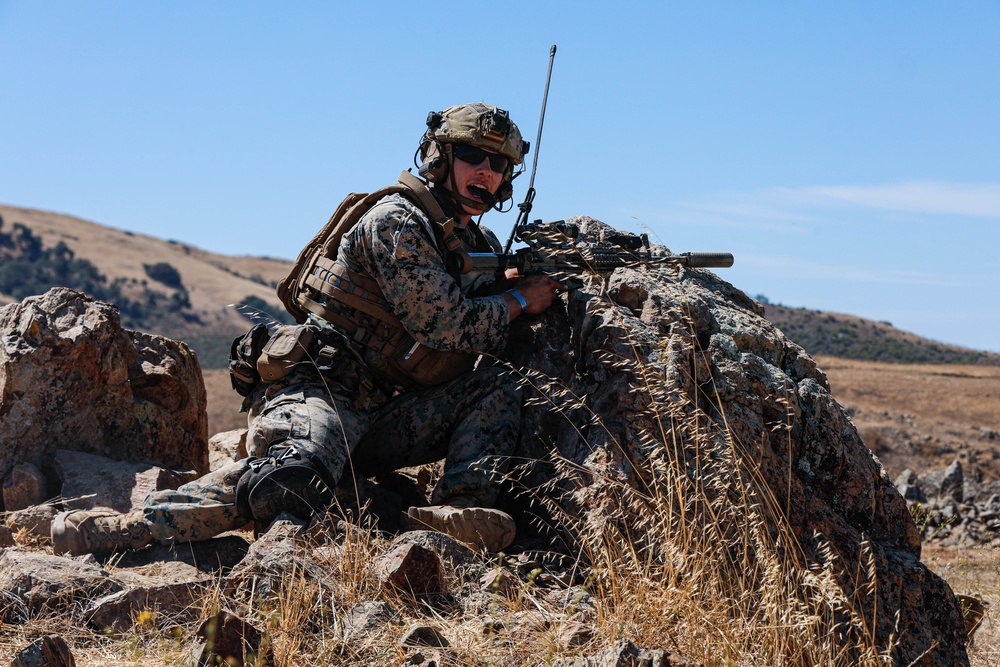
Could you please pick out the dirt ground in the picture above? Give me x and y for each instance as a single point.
(974, 572)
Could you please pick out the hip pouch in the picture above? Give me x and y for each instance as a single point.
(287, 348)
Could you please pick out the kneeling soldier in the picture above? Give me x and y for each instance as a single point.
(381, 372)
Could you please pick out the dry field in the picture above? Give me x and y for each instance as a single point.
(922, 417)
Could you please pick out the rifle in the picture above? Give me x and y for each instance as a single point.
(552, 248)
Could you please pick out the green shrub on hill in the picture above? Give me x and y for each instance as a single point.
(27, 268)
(164, 273)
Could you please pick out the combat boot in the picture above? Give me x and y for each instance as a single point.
(98, 532)
(483, 527)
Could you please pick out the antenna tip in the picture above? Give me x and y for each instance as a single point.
(552, 51)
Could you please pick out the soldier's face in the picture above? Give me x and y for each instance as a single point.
(469, 177)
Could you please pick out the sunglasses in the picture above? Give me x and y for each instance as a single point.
(473, 155)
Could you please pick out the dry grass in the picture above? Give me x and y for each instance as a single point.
(976, 572)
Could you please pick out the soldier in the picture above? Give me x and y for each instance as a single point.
(379, 374)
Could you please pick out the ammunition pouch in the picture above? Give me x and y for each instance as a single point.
(427, 367)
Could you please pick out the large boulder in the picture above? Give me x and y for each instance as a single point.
(72, 378)
(685, 424)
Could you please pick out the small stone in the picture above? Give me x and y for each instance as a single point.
(368, 616)
(423, 635)
(574, 633)
(413, 569)
(35, 521)
(230, 639)
(49, 651)
(498, 581)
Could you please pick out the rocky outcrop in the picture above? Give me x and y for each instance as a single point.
(952, 506)
(72, 378)
(670, 392)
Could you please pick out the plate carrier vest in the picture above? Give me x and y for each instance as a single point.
(317, 279)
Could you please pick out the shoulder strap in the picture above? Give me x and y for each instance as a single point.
(325, 244)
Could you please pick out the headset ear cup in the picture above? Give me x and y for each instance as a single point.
(433, 171)
(435, 165)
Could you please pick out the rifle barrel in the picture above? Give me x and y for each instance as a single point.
(722, 260)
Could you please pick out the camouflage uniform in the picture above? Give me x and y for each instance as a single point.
(352, 416)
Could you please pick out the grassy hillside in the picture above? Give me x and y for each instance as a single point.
(850, 337)
(163, 287)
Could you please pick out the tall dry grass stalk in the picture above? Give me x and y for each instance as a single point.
(688, 548)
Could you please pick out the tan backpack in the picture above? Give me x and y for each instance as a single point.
(292, 290)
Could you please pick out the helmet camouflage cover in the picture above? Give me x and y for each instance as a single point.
(480, 125)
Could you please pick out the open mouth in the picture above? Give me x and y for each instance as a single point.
(478, 192)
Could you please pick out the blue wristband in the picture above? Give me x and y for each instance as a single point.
(520, 299)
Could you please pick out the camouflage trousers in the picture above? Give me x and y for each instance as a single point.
(471, 422)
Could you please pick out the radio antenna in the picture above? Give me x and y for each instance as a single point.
(529, 196)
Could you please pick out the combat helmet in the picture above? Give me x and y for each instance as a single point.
(479, 125)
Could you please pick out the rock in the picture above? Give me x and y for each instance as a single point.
(674, 380)
(43, 582)
(96, 482)
(454, 555)
(411, 569)
(36, 521)
(226, 447)
(231, 640)
(424, 635)
(974, 611)
(72, 378)
(215, 556)
(6, 537)
(278, 558)
(908, 486)
(953, 482)
(48, 651)
(571, 634)
(25, 486)
(367, 616)
(172, 589)
(624, 653)
(499, 581)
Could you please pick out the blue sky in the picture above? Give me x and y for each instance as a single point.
(848, 154)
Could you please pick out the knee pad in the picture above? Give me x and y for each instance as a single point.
(286, 480)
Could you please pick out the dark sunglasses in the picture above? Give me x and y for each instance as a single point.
(473, 155)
